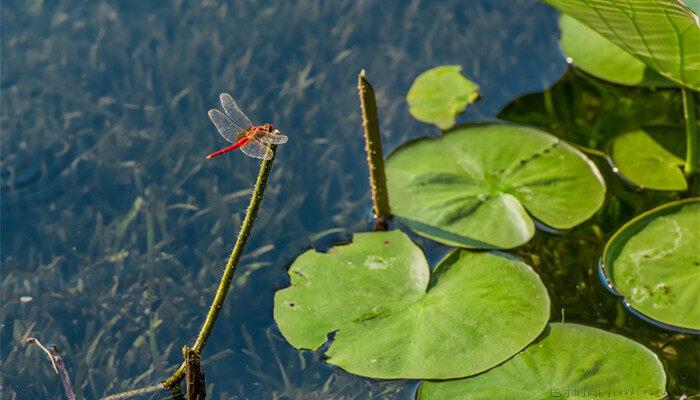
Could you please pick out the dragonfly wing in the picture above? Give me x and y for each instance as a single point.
(274, 137)
(234, 112)
(229, 130)
(257, 149)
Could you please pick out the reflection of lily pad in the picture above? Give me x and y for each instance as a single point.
(654, 262)
(475, 186)
(650, 158)
(438, 95)
(570, 362)
(394, 319)
(598, 56)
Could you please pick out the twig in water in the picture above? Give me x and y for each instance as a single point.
(58, 366)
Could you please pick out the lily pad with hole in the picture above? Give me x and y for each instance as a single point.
(438, 95)
(393, 318)
(653, 261)
(593, 53)
(481, 186)
(569, 361)
(650, 158)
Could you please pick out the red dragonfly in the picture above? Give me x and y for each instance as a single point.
(234, 126)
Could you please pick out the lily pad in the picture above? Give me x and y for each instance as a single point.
(438, 95)
(663, 34)
(593, 53)
(477, 186)
(392, 318)
(570, 361)
(650, 158)
(654, 262)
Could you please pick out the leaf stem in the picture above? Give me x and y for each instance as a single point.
(220, 297)
(691, 133)
(375, 155)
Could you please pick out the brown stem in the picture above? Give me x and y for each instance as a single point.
(375, 155)
(58, 366)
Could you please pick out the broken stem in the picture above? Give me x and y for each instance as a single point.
(691, 132)
(375, 155)
(58, 366)
(220, 297)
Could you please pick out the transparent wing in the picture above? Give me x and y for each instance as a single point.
(257, 149)
(234, 112)
(225, 126)
(274, 137)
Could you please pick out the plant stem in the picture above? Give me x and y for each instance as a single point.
(375, 155)
(691, 132)
(218, 302)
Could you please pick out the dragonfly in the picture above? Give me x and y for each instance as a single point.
(235, 127)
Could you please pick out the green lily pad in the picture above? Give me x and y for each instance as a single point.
(570, 361)
(654, 262)
(593, 53)
(477, 186)
(438, 95)
(651, 158)
(663, 34)
(392, 318)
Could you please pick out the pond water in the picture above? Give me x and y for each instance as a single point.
(115, 228)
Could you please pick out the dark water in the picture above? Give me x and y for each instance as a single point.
(115, 228)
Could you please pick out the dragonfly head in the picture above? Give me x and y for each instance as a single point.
(269, 127)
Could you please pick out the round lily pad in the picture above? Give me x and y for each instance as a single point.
(650, 158)
(392, 318)
(569, 361)
(477, 186)
(653, 261)
(438, 95)
(593, 53)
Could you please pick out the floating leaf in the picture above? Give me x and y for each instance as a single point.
(394, 319)
(438, 95)
(570, 361)
(474, 186)
(654, 262)
(601, 58)
(664, 34)
(650, 158)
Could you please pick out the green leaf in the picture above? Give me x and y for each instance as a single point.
(651, 158)
(394, 319)
(570, 361)
(663, 34)
(477, 186)
(438, 95)
(654, 262)
(599, 57)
